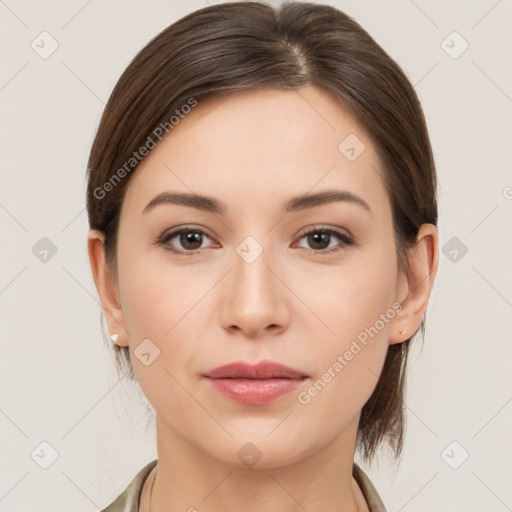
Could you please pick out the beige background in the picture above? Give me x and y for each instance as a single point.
(57, 379)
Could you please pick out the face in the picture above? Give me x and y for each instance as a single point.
(311, 286)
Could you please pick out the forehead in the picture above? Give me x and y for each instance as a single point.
(261, 143)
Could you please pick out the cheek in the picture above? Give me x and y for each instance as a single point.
(356, 304)
(154, 306)
(163, 302)
(350, 297)
(153, 291)
(156, 316)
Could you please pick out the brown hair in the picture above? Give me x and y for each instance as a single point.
(232, 47)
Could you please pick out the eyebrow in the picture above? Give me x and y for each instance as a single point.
(299, 203)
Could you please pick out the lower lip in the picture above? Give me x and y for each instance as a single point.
(255, 391)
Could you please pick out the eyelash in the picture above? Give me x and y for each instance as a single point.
(165, 239)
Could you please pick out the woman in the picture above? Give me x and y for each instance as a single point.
(262, 204)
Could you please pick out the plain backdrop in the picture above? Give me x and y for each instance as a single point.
(58, 381)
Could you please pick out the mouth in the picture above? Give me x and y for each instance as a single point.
(255, 384)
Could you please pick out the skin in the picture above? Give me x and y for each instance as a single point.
(255, 150)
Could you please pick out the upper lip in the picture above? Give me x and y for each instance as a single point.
(262, 370)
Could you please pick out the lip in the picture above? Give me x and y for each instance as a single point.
(262, 370)
(255, 384)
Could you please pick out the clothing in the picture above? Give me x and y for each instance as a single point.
(129, 499)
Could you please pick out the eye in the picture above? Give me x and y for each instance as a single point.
(321, 238)
(190, 238)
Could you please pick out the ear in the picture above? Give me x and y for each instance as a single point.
(413, 289)
(106, 284)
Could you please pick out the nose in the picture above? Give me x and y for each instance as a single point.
(256, 299)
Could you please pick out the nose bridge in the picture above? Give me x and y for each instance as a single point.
(256, 299)
(252, 274)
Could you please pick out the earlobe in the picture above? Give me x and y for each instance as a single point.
(413, 291)
(106, 286)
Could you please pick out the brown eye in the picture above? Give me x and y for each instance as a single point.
(319, 240)
(188, 240)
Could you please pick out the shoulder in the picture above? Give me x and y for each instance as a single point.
(129, 499)
(370, 494)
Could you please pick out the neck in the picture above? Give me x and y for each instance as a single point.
(189, 479)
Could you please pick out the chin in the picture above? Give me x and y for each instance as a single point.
(254, 452)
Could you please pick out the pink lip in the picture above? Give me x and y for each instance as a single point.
(255, 384)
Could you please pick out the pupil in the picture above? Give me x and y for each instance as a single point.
(191, 238)
(320, 236)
